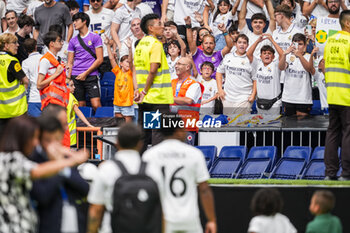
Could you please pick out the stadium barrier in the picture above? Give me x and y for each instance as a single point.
(86, 140)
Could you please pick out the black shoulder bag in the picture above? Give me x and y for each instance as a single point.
(266, 104)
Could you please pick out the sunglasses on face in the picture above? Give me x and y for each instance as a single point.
(95, 1)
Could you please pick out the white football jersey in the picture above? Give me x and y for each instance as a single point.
(183, 168)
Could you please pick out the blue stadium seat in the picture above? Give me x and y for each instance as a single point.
(209, 154)
(314, 170)
(104, 112)
(316, 108)
(258, 162)
(225, 167)
(108, 79)
(87, 111)
(302, 152)
(233, 152)
(228, 162)
(292, 164)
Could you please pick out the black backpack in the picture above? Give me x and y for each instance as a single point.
(136, 203)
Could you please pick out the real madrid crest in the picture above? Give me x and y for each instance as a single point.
(210, 88)
(89, 43)
(269, 69)
(292, 58)
(289, 37)
(213, 59)
(243, 63)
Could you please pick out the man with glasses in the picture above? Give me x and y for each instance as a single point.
(187, 95)
(100, 23)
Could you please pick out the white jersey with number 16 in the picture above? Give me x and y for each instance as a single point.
(183, 167)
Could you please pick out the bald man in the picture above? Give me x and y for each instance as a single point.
(187, 95)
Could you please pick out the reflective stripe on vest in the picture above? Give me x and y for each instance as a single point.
(160, 92)
(337, 67)
(9, 101)
(13, 101)
(74, 131)
(53, 95)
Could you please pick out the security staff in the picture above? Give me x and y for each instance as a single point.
(337, 77)
(13, 101)
(153, 90)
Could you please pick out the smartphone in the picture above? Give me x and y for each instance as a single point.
(295, 44)
(309, 29)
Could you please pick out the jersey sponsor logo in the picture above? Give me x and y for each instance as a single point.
(17, 67)
(151, 120)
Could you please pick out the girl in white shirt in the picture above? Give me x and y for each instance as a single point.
(223, 16)
(266, 206)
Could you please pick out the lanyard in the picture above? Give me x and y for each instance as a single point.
(63, 194)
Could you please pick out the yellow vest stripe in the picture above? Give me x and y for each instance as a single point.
(334, 84)
(9, 88)
(9, 101)
(147, 72)
(339, 70)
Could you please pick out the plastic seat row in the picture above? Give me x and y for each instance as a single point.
(262, 162)
(100, 112)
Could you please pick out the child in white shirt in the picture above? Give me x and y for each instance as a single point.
(210, 88)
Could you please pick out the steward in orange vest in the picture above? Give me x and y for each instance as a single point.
(56, 92)
(190, 111)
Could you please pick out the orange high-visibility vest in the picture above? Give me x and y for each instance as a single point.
(190, 111)
(56, 92)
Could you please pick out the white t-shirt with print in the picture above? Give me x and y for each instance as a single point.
(210, 90)
(267, 79)
(2, 11)
(123, 16)
(226, 19)
(238, 77)
(253, 37)
(187, 164)
(185, 8)
(17, 5)
(100, 23)
(297, 83)
(319, 10)
(171, 65)
(277, 223)
(30, 67)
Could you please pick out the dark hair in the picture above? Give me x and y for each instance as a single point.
(123, 58)
(146, 21)
(285, 10)
(71, 4)
(11, 11)
(17, 134)
(267, 48)
(258, 16)
(52, 110)
(49, 124)
(56, 28)
(174, 42)
(325, 199)
(170, 131)
(170, 23)
(208, 63)
(129, 135)
(299, 37)
(83, 16)
(51, 36)
(25, 20)
(29, 45)
(217, 12)
(266, 201)
(244, 37)
(344, 16)
(291, 1)
(233, 28)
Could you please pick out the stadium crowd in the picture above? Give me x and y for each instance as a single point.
(188, 56)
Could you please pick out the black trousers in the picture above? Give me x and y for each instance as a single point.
(151, 136)
(338, 134)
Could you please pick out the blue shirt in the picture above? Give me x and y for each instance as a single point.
(81, 3)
